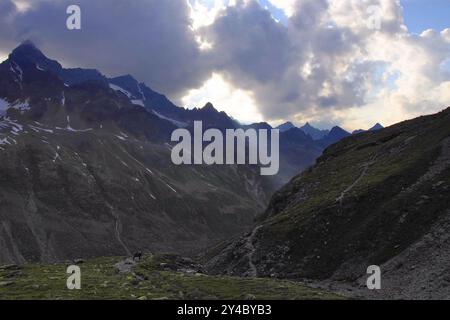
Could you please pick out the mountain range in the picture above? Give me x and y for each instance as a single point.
(86, 171)
(327, 137)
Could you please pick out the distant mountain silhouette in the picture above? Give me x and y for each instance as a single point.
(315, 133)
(374, 128)
(336, 134)
(286, 126)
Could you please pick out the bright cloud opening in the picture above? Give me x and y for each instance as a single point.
(22, 5)
(204, 12)
(3, 57)
(237, 103)
(288, 6)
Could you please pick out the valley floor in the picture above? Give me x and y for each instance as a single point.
(161, 277)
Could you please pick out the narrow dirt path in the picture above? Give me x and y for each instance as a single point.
(365, 167)
(118, 229)
(251, 248)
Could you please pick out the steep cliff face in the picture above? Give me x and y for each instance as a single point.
(376, 198)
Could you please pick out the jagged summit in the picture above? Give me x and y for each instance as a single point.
(27, 54)
(126, 79)
(28, 49)
(337, 129)
(286, 126)
(376, 127)
(315, 133)
(27, 45)
(338, 132)
(209, 107)
(29, 57)
(258, 126)
(296, 134)
(335, 134)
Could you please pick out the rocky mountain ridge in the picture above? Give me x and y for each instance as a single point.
(85, 171)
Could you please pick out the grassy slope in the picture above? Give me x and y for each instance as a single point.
(308, 232)
(100, 280)
(400, 156)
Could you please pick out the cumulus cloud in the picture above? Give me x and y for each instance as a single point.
(306, 66)
(335, 61)
(288, 6)
(348, 62)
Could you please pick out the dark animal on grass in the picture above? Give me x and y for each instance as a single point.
(137, 256)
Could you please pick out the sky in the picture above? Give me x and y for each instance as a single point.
(328, 62)
(420, 15)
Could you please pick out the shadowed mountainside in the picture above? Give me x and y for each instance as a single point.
(378, 198)
(85, 171)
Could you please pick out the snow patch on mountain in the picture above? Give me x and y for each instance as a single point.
(15, 68)
(179, 124)
(141, 92)
(138, 102)
(120, 137)
(14, 127)
(170, 187)
(69, 127)
(117, 88)
(39, 129)
(134, 100)
(4, 141)
(22, 106)
(4, 105)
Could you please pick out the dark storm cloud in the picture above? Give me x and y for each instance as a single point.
(150, 39)
(309, 14)
(153, 40)
(7, 14)
(250, 44)
(322, 59)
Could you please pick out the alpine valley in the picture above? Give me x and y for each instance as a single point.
(86, 171)
(86, 177)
